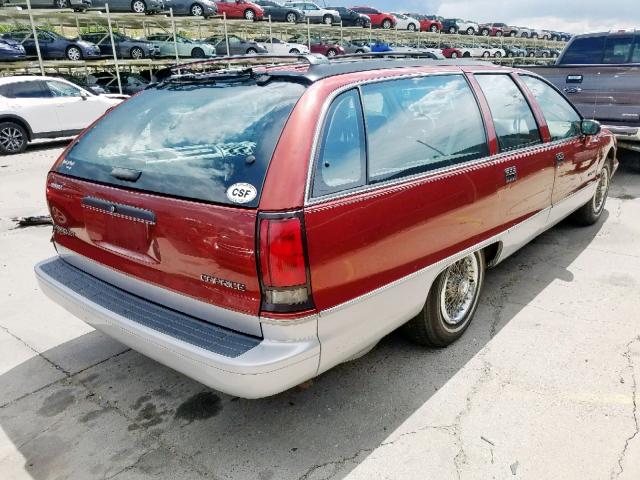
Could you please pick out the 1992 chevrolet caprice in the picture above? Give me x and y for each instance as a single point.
(253, 228)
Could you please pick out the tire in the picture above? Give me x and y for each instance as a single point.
(591, 211)
(513, 34)
(197, 53)
(327, 19)
(251, 51)
(466, 55)
(196, 10)
(136, 53)
(471, 31)
(497, 55)
(486, 54)
(498, 33)
(433, 29)
(61, 3)
(411, 27)
(452, 30)
(73, 53)
(249, 14)
(359, 51)
(485, 32)
(524, 35)
(13, 138)
(291, 17)
(454, 55)
(545, 55)
(440, 324)
(511, 54)
(332, 52)
(386, 24)
(531, 54)
(294, 51)
(138, 6)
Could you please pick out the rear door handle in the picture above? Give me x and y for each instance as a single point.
(559, 158)
(510, 174)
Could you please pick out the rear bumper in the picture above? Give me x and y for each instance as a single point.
(222, 359)
(628, 137)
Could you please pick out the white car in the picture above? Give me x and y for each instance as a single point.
(405, 22)
(482, 51)
(33, 107)
(280, 47)
(316, 14)
(525, 32)
(467, 27)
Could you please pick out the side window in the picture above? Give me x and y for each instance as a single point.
(561, 117)
(635, 56)
(341, 160)
(512, 117)
(29, 90)
(617, 49)
(419, 124)
(584, 51)
(60, 89)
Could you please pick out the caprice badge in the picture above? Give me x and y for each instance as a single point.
(241, 287)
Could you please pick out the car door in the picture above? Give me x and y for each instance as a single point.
(31, 100)
(524, 165)
(75, 108)
(576, 156)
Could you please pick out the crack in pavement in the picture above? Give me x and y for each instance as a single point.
(634, 392)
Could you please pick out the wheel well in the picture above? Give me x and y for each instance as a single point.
(20, 122)
(611, 156)
(492, 253)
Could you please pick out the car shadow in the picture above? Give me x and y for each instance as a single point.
(128, 403)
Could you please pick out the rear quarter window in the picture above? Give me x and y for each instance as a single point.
(189, 140)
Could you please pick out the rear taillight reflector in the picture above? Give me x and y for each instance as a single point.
(283, 263)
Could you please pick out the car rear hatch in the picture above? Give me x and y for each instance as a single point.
(164, 191)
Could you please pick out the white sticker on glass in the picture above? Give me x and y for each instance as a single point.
(241, 192)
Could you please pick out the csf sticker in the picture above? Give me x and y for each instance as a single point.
(241, 192)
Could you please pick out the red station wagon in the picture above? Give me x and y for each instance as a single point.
(329, 203)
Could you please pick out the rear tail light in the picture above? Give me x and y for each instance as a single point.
(283, 263)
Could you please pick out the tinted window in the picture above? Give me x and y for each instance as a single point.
(512, 117)
(584, 51)
(29, 90)
(635, 56)
(341, 159)
(617, 49)
(561, 117)
(420, 124)
(189, 140)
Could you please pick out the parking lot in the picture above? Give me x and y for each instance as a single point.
(544, 384)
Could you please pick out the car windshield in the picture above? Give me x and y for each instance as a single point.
(190, 140)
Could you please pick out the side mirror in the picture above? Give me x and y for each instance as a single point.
(83, 95)
(590, 127)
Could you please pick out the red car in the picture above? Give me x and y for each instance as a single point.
(427, 22)
(240, 9)
(378, 19)
(493, 29)
(328, 204)
(327, 48)
(451, 52)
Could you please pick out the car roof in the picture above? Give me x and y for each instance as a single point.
(23, 78)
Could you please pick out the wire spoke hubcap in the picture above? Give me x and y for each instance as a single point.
(459, 290)
(11, 139)
(601, 191)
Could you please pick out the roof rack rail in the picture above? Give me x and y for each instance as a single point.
(245, 60)
(373, 55)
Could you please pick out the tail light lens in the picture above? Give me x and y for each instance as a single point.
(283, 263)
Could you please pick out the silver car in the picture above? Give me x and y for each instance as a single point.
(186, 47)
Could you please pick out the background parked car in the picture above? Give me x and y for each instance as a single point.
(280, 13)
(465, 26)
(316, 14)
(135, 6)
(195, 8)
(34, 107)
(77, 5)
(351, 47)
(54, 46)
(126, 47)
(450, 52)
(350, 18)
(524, 32)
(132, 83)
(240, 9)
(320, 45)
(279, 47)
(186, 47)
(512, 51)
(493, 29)
(405, 22)
(237, 45)
(428, 23)
(11, 49)
(378, 19)
(84, 82)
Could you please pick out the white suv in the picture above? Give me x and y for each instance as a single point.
(316, 14)
(33, 107)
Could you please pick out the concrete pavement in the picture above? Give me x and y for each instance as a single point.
(544, 384)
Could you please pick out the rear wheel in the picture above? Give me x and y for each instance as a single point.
(486, 54)
(197, 53)
(434, 28)
(327, 20)
(61, 3)
(513, 34)
(485, 32)
(470, 31)
(498, 54)
(386, 24)
(452, 30)
(498, 33)
(291, 17)
(294, 51)
(74, 53)
(251, 51)
(454, 55)
(136, 53)
(451, 303)
(138, 6)
(524, 35)
(411, 27)
(196, 10)
(466, 54)
(359, 50)
(591, 212)
(249, 14)
(13, 138)
(531, 54)
(332, 52)
(545, 54)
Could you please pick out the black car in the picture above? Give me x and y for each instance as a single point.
(132, 83)
(449, 25)
(11, 50)
(280, 13)
(126, 47)
(87, 83)
(54, 46)
(350, 18)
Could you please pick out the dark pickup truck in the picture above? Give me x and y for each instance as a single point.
(600, 74)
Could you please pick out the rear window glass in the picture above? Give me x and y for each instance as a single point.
(584, 51)
(617, 49)
(188, 140)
